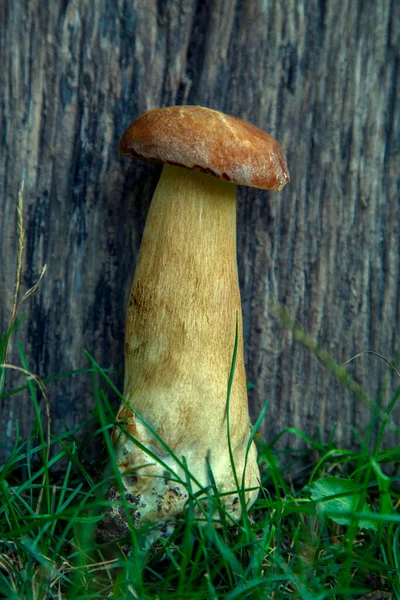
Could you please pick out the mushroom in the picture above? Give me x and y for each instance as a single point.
(183, 315)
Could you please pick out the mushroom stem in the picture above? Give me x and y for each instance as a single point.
(180, 330)
(182, 311)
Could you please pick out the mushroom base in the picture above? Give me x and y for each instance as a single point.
(155, 494)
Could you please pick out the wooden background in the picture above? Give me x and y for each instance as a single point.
(322, 76)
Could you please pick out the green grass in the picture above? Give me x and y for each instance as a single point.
(334, 533)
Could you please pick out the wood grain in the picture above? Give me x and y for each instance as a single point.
(321, 77)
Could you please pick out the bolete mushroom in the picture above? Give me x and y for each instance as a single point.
(183, 315)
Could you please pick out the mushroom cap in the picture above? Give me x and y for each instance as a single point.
(206, 140)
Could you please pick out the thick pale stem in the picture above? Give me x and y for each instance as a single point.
(180, 335)
(182, 313)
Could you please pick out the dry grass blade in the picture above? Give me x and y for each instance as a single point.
(8, 566)
(374, 354)
(20, 252)
(15, 309)
(42, 387)
(21, 235)
(33, 289)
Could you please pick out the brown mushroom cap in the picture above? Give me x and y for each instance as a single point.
(207, 140)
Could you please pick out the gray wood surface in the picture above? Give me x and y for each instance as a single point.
(321, 76)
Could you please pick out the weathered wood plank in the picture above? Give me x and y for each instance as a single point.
(322, 77)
